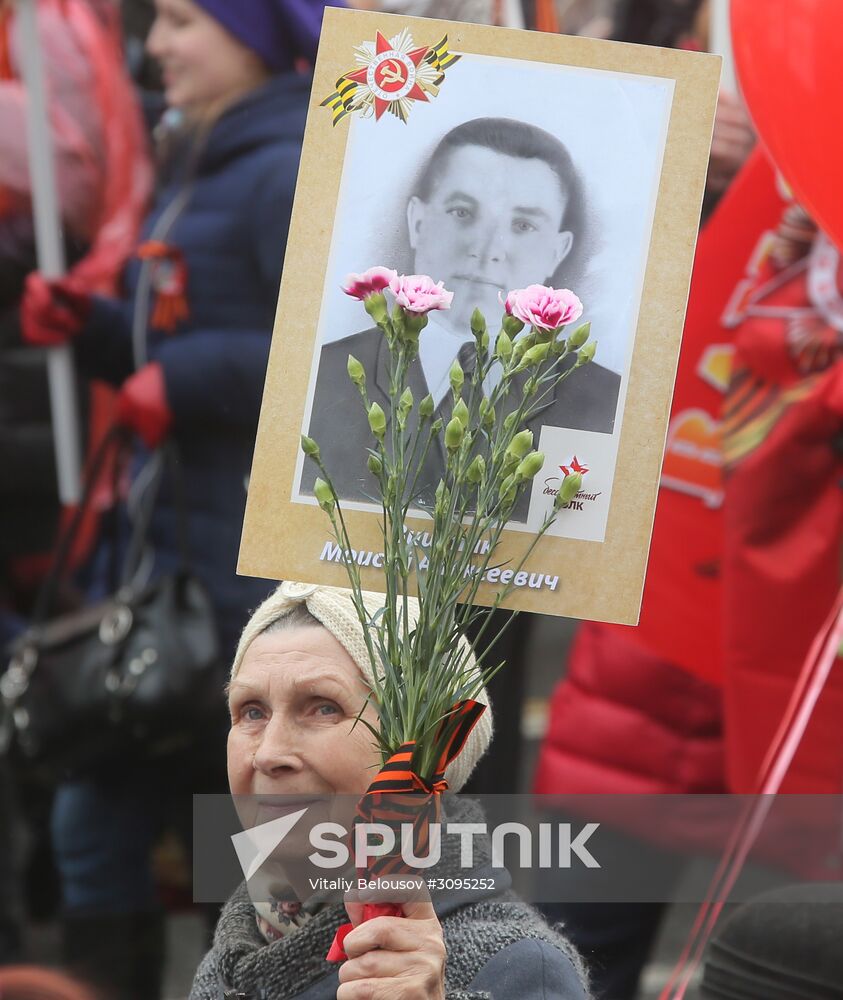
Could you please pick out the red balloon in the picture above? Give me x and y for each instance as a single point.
(789, 58)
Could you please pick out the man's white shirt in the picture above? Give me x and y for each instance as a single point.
(438, 347)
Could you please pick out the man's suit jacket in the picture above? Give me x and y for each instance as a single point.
(586, 400)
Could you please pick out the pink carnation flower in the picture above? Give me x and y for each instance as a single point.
(418, 293)
(542, 307)
(361, 286)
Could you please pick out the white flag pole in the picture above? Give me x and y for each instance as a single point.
(721, 43)
(50, 250)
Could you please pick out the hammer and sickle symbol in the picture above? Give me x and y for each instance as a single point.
(391, 73)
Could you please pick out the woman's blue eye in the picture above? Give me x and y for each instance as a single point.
(252, 713)
(327, 709)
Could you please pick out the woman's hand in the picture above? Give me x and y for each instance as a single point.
(52, 312)
(142, 405)
(394, 958)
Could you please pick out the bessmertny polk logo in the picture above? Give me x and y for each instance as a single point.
(553, 484)
(393, 74)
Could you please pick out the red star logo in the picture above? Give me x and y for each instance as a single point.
(573, 467)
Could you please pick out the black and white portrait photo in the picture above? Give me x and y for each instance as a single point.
(516, 174)
(489, 161)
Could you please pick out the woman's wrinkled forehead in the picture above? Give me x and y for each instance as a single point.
(296, 657)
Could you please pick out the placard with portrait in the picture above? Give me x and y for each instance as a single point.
(490, 159)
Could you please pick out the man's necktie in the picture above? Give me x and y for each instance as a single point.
(467, 358)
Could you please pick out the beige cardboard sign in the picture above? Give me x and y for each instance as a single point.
(490, 159)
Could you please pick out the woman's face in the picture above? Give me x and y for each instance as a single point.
(293, 704)
(204, 67)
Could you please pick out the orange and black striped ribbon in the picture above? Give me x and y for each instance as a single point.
(398, 797)
(169, 284)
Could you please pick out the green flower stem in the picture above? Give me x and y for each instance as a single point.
(421, 672)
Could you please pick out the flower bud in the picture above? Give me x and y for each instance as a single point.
(503, 347)
(397, 320)
(412, 326)
(483, 340)
(586, 353)
(522, 345)
(568, 490)
(442, 496)
(325, 495)
(375, 465)
(375, 306)
(436, 426)
(377, 420)
(536, 354)
(456, 376)
(487, 414)
(426, 407)
(520, 444)
(531, 387)
(309, 446)
(530, 466)
(509, 420)
(454, 434)
(579, 336)
(477, 322)
(405, 404)
(356, 371)
(506, 490)
(476, 472)
(512, 326)
(461, 413)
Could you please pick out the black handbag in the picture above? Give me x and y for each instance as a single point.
(130, 678)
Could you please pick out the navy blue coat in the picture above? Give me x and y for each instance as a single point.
(232, 231)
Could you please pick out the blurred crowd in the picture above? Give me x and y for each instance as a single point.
(177, 128)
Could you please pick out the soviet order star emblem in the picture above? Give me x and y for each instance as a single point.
(393, 74)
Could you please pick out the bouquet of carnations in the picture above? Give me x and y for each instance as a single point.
(424, 687)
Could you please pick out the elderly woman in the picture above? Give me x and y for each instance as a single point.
(301, 675)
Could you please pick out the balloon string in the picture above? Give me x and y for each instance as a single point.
(791, 730)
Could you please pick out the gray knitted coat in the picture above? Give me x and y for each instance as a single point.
(497, 947)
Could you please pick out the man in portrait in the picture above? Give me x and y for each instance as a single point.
(498, 205)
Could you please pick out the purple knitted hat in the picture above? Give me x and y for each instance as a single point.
(279, 31)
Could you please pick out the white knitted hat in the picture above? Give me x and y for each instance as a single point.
(334, 607)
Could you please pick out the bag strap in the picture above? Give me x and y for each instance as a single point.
(115, 437)
(165, 459)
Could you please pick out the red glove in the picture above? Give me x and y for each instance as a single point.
(52, 312)
(142, 405)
